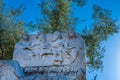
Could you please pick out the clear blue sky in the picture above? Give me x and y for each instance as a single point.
(111, 70)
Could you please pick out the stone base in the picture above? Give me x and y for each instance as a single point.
(63, 72)
(10, 70)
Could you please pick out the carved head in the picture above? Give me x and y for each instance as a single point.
(41, 37)
(25, 36)
(71, 34)
(57, 35)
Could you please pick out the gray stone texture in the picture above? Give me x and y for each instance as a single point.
(10, 70)
(50, 49)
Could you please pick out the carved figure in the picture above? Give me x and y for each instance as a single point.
(57, 44)
(25, 36)
(72, 49)
(49, 49)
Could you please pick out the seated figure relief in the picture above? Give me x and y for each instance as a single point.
(50, 49)
(73, 49)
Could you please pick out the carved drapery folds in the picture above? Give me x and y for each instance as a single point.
(50, 49)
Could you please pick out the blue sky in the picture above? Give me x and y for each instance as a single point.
(111, 70)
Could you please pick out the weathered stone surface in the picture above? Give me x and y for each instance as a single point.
(64, 72)
(10, 70)
(44, 77)
(55, 56)
(50, 49)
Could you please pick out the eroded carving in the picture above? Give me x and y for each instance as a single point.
(50, 49)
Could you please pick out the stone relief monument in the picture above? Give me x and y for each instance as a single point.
(50, 49)
(52, 56)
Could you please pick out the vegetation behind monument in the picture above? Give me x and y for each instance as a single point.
(58, 16)
(10, 30)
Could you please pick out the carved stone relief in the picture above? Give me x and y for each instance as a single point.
(50, 49)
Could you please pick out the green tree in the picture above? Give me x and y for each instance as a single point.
(56, 15)
(10, 30)
(103, 27)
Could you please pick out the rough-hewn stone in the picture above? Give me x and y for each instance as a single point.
(10, 70)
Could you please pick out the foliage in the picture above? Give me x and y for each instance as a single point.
(80, 2)
(10, 30)
(57, 15)
(103, 27)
